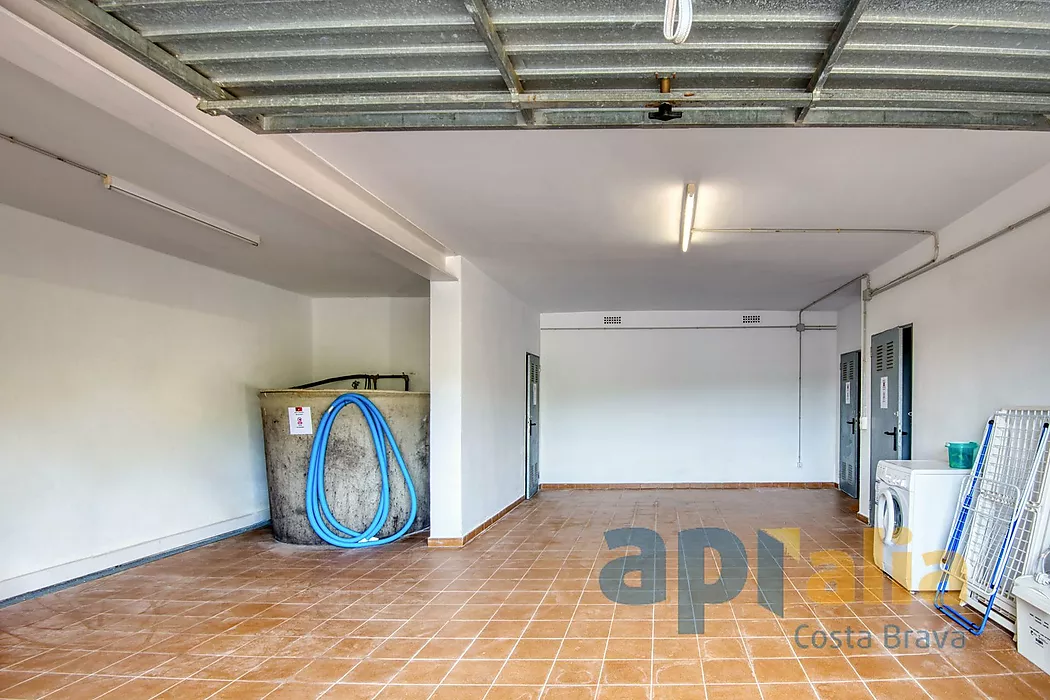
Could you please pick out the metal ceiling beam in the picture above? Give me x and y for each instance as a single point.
(219, 54)
(593, 99)
(87, 15)
(566, 99)
(625, 118)
(842, 34)
(479, 14)
(188, 29)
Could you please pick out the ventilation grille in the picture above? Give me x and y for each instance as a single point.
(750, 319)
(884, 357)
(613, 320)
(534, 372)
(848, 370)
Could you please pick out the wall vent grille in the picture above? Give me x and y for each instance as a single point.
(750, 319)
(880, 358)
(613, 320)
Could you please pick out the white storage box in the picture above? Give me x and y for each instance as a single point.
(1033, 621)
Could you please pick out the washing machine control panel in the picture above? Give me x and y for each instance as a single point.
(892, 477)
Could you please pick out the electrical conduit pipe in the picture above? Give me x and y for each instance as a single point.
(323, 522)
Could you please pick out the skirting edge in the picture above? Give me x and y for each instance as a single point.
(460, 541)
(699, 486)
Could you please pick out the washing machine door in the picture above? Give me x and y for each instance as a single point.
(889, 515)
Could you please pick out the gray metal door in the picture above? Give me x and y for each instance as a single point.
(849, 422)
(532, 425)
(890, 399)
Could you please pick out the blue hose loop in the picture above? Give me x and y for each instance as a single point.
(323, 522)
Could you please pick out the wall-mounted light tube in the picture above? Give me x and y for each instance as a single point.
(143, 195)
(688, 215)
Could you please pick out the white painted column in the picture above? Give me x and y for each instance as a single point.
(446, 407)
(479, 335)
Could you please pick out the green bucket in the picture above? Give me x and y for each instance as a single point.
(961, 454)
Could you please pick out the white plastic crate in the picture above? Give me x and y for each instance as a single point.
(1033, 621)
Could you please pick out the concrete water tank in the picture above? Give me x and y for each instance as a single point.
(352, 480)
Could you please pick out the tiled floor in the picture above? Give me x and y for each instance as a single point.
(516, 614)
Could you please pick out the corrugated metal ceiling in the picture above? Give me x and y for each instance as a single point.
(320, 65)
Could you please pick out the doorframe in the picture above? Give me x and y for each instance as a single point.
(905, 388)
(529, 356)
(858, 403)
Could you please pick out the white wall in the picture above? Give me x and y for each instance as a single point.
(380, 335)
(130, 419)
(679, 397)
(848, 331)
(480, 335)
(981, 322)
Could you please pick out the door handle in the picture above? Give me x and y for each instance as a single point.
(894, 434)
(852, 422)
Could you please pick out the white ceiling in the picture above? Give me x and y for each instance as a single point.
(588, 220)
(298, 252)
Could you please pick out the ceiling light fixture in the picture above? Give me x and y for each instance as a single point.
(143, 195)
(688, 215)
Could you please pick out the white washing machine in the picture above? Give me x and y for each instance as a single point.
(915, 502)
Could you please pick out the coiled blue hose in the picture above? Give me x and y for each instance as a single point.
(324, 523)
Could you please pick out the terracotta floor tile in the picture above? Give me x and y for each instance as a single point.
(191, 690)
(490, 649)
(769, 648)
(896, 690)
(828, 669)
(325, 670)
(734, 671)
(624, 692)
(723, 648)
(1005, 687)
(878, 667)
(949, 688)
(524, 672)
(295, 690)
(460, 692)
(583, 649)
(743, 691)
(374, 671)
(352, 648)
(406, 692)
(88, 688)
(615, 672)
(474, 672)
(678, 672)
(342, 691)
(788, 691)
(276, 669)
(779, 671)
(518, 613)
(536, 649)
(514, 692)
(567, 672)
(570, 692)
(252, 690)
(1039, 681)
(39, 686)
(844, 691)
(629, 649)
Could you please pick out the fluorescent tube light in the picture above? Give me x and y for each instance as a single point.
(152, 198)
(688, 214)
